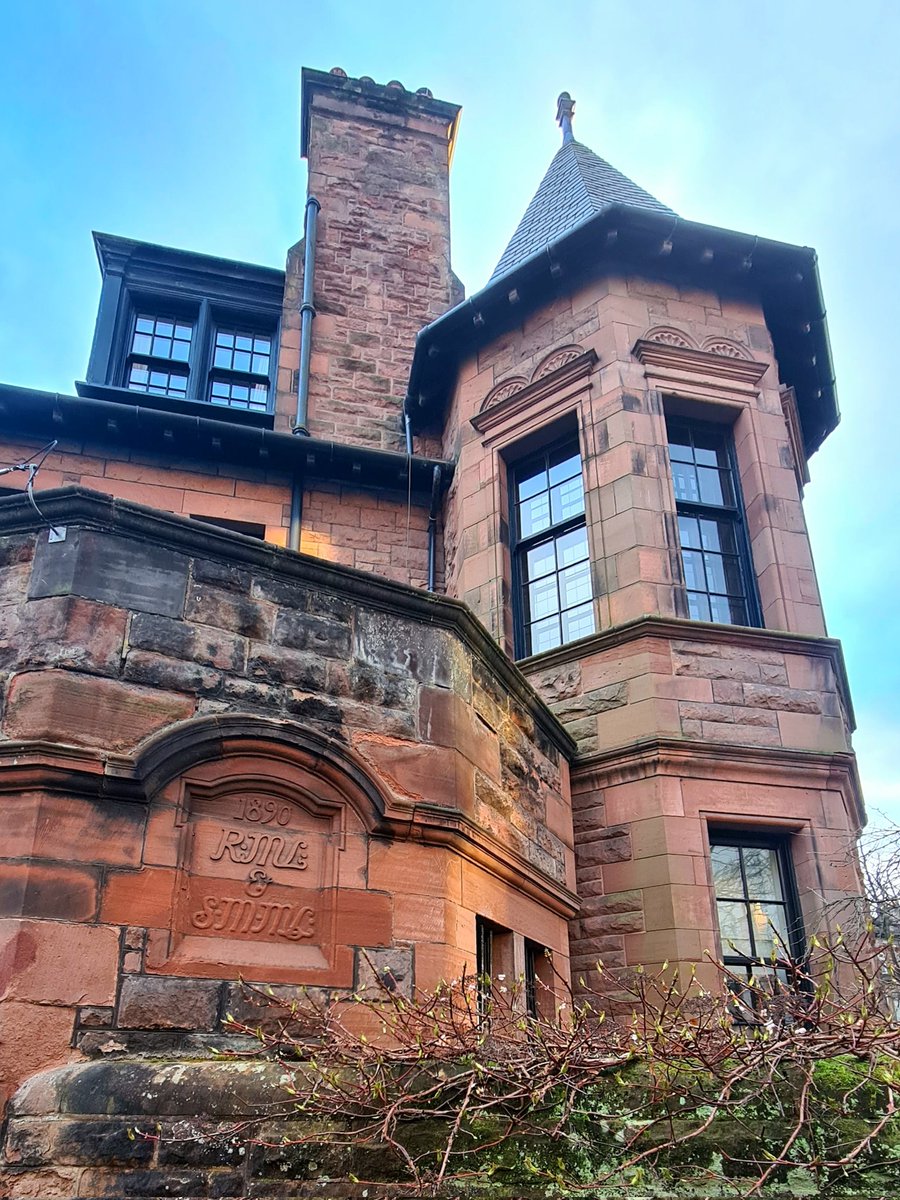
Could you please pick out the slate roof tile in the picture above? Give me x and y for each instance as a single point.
(578, 184)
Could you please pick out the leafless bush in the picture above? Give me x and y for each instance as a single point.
(741, 1087)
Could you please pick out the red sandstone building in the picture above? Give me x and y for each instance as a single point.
(549, 671)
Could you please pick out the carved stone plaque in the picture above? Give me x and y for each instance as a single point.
(257, 873)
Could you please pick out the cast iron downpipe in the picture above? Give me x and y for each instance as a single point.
(307, 315)
(432, 524)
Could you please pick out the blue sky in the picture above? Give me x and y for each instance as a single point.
(176, 121)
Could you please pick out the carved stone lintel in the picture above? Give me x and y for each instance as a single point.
(523, 399)
(673, 364)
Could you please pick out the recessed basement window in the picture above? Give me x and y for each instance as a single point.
(248, 528)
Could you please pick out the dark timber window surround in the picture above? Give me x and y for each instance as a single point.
(551, 560)
(757, 911)
(719, 580)
(185, 332)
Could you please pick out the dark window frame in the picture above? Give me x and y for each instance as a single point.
(536, 988)
(239, 325)
(794, 945)
(484, 964)
(520, 545)
(733, 514)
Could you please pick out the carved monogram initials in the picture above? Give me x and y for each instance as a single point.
(264, 849)
(256, 918)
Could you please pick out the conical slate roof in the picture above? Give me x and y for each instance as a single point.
(578, 184)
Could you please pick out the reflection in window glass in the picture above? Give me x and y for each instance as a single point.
(248, 353)
(142, 377)
(552, 550)
(714, 553)
(756, 921)
(162, 337)
(254, 397)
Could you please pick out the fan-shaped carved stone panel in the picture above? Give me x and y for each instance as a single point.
(503, 391)
(666, 335)
(556, 359)
(725, 348)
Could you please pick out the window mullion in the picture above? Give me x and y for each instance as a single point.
(201, 355)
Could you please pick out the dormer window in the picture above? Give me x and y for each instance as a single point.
(185, 333)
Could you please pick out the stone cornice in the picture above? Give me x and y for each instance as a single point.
(82, 508)
(521, 402)
(673, 365)
(100, 776)
(689, 757)
(670, 629)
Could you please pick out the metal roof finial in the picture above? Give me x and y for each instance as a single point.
(565, 111)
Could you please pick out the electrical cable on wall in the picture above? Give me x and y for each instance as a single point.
(32, 467)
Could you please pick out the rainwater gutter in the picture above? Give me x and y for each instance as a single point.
(307, 315)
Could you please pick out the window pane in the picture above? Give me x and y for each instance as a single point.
(710, 448)
(761, 871)
(567, 499)
(541, 560)
(181, 351)
(734, 928)
(693, 570)
(726, 867)
(689, 531)
(142, 378)
(222, 357)
(572, 547)
(734, 583)
(710, 486)
(241, 359)
(698, 606)
(545, 635)
(144, 324)
(532, 482)
(534, 515)
(727, 611)
(769, 930)
(141, 343)
(543, 598)
(718, 535)
(715, 573)
(578, 623)
(239, 395)
(260, 364)
(680, 444)
(564, 465)
(243, 343)
(575, 585)
(684, 480)
(161, 346)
